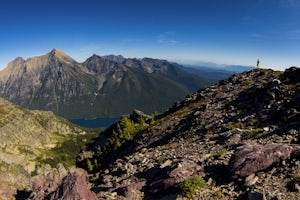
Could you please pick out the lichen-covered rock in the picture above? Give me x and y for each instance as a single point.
(251, 159)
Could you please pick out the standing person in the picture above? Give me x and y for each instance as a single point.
(257, 64)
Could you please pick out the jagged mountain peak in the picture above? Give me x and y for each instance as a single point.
(37, 63)
(12, 68)
(99, 65)
(56, 50)
(94, 57)
(18, 59)
(115, 58)
(60, 55)
(16, 63)
(111, 58)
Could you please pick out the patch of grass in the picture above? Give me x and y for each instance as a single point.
(246, 83)
(236, 125)
(161, 160)
(297, 176)
(66, 151)
(190, 186)
(253, 134)
(56, 136)
(219, 154)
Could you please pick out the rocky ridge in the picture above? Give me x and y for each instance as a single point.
(225, 134)
(238, 139)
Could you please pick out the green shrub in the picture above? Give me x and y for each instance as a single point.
(189, 187)
(219, 194)
(126, 130)
(90, 166)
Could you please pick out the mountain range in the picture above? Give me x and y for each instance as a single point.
(215, 71)
(107, 86)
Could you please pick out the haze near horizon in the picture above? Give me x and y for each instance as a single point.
(192, 31)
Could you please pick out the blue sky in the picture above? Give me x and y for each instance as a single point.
(189, 31)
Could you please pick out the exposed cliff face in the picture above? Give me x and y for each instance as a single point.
(96, 87)
(241, 136)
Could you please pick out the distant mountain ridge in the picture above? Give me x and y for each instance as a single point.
(106, 86)
(215, 71)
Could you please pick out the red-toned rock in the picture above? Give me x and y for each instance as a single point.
(47, 182)
(251, 159)
(73, 187)
(56, 183)
(170, 176)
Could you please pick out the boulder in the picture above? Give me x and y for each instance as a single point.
(56, 183)
(251, 159)
(133, 191)
(74, 187)
(48, 181)
(170, 176)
